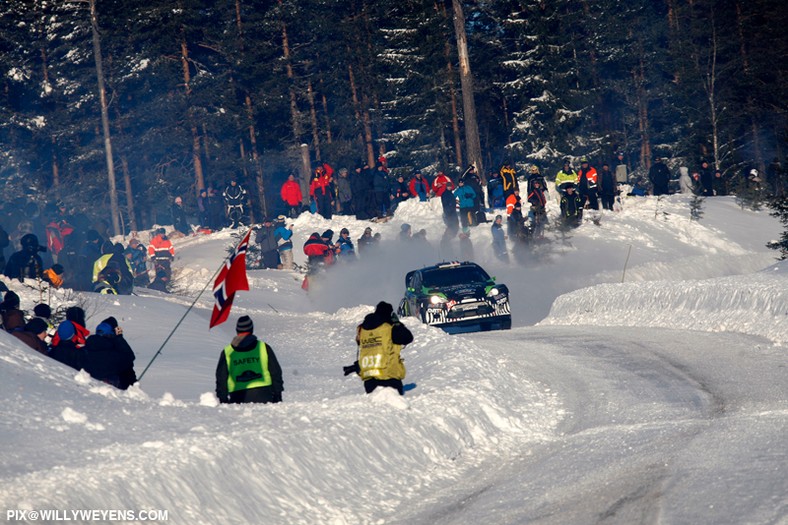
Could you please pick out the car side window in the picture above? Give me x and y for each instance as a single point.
(417, 281)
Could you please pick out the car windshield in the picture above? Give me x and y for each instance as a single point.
(453, 276)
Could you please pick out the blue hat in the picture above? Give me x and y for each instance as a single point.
(104, 329)
(66, 331)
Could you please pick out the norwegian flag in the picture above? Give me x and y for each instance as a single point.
(231, 279)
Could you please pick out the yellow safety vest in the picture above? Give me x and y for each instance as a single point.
(248, 369)
(378, 356)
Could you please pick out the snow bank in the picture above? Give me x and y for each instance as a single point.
(329, 454)
(755, 304)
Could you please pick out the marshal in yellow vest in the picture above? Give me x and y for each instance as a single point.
(247, 370)
(378, 356)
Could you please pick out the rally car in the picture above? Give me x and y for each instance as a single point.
(456, 297)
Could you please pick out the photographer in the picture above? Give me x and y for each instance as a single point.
(26, 262)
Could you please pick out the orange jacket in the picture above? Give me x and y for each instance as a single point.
(511, 200)
(53, 278)
(161, 247)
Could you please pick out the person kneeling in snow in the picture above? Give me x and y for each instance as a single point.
(108, 357)
(248, 371)
(380, 338)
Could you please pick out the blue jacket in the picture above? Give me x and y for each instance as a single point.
(380, 182)
(345, 246)
(282, 236)
(465, 195)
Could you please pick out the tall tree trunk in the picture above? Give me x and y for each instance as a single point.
(124, 166)
(368, 137)
(242, 151)
(440, 7)
(359, 119)
(199, 178)
(306, 170)
(710, 84)
(639, 79)
(313, 119)
(324, 100)
(455, 117)
(295, 117)
(472, 141)
(113, 191)
(745, 58)
(55, 164)
(258, 167)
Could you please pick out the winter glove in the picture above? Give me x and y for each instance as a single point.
(354, 368)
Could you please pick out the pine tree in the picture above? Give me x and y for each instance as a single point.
(779, 206)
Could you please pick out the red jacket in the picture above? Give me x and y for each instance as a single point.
(321, 180)
(161, 247)
(291, 193)
(441, 184)
(80, 336)
(412, 186)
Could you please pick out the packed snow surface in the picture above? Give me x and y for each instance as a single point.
(662, 399)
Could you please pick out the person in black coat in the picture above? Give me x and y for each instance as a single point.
(233, 382)
(450, 217)
(706, 179)
(26, 263)
(269, 252)
(66, 351)
(659, 175)
(607, 187)
(179, 220)
(109, 357)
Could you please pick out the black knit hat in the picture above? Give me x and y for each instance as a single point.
(43, 310)
(36, 326)
(244, 324)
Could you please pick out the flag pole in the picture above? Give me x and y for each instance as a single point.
(224, 262)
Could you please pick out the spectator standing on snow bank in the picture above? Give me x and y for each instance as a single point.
(292, 196)
(283, 233)
(161, 252)
(659, 175)
(419, 187)
(248, 371)
(26, 263)
(235, 198)
(499, 239)
(442, 183)
(380, 339)
(269, 250)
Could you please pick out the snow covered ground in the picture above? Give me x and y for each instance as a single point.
(662, 399)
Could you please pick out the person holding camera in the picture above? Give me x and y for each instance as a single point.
(380, 338)
(26, 262)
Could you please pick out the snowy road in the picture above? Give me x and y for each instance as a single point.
(657, 431)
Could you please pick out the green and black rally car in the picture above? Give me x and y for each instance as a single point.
(457, 297)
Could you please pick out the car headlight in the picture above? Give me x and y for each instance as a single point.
(437, 299)
(493, 292)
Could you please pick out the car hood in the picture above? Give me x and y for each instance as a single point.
(462, 290)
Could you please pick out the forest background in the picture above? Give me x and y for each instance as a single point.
(125, 104)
